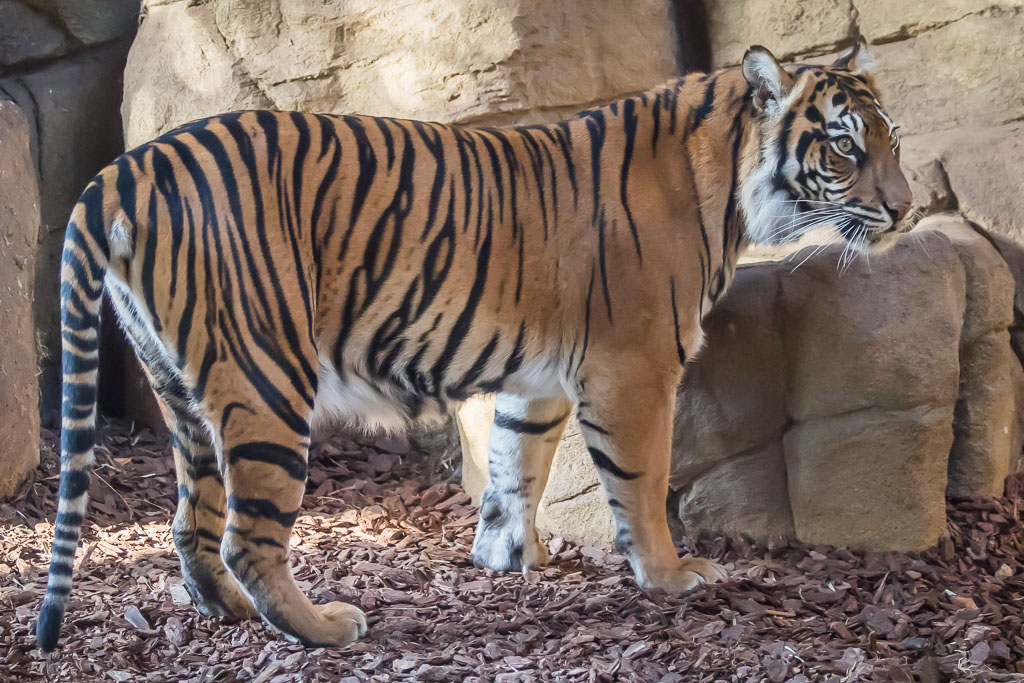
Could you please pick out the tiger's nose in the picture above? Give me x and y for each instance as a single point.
(897, 211)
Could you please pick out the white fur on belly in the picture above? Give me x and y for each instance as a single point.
(355, 403)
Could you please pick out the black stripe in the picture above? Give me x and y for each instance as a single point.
(272, 454)
(605, 463)
(629, 128)
(590, 425)
(73, 483)
(675, 319)
(261, 507)
(525, 426)
(705, 109)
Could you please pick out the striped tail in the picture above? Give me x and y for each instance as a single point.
(83, 266)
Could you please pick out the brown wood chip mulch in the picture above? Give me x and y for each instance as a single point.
(379, 533)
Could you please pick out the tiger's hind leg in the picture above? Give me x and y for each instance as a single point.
(265, 479)
(523, 440)
(626, 419)
(199, 520)
(198, 525)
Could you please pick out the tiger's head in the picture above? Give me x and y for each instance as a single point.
(823, 153)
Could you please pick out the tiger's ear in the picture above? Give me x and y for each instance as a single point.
(857, 59)
(770, 82)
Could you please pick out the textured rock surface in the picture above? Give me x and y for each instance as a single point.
(874, 479)
(19, 220)
(871, 387)
(746, 493)
(494, 61)
(92, 21)
(27, 35)
(981, 458)
(73, 104)
(788, 29)
(980, 171)
(956, 75)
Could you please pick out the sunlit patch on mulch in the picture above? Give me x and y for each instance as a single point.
(379, 533)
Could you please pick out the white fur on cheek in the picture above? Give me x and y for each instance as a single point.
(767, 209)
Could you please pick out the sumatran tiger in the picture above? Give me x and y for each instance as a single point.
(276, 270)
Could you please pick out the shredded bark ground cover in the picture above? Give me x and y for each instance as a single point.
(380, 531)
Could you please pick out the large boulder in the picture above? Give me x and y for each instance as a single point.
(731, 414)
(493, 61)
(19, 221)
(76, 131)
(831, 405)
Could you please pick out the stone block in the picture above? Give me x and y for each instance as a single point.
(19, 221)
(872, 479)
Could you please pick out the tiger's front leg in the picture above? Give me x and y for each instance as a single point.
(626, 419)
(523, 440)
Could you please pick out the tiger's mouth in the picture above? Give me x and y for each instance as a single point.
(875, 235)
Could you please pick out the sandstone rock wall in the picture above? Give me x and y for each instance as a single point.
(494, 61)
(61, 61)
(19, 223)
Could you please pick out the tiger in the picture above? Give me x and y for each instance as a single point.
(280, 271)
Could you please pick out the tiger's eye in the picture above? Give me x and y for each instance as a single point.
(844, 144)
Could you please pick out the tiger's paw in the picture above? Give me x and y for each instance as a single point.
(502, 549)
(218, 596)
(342, 624)
(686, 576)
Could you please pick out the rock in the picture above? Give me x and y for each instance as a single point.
(883, 336)
(745, 494)
(986, 408)
(981, 168)
(97, 21)
(732, 397)
(585, 519)
(928, 54)
(872, 357)
(928, 180)
(27, 35)
(872, 479)
(1013, 256)
(19, 222)
(879, 20)
(180, 69)
(925, 79)
(494, 61)
(788, 29)
(73, 103)
(730, 416)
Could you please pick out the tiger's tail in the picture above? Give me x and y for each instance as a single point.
(83, 267)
